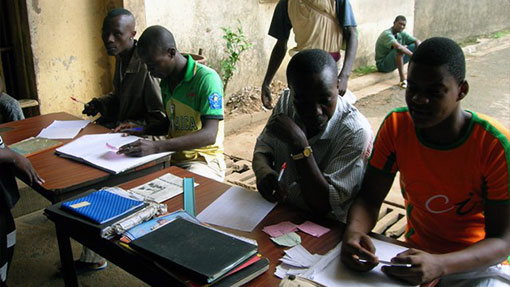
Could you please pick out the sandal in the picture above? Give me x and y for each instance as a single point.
(403, 84)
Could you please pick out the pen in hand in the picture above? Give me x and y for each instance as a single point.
(280, 175)
(384, 262)
(78, 101)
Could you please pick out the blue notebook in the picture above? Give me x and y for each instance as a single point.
(101, 206)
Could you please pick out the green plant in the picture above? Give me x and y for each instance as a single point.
(364, 70)
(236, 44)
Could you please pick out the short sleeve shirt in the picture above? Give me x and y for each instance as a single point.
(445, 188)
(281, 25)
(384, 43)
(199, 96)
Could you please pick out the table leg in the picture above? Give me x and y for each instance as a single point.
(66, 257)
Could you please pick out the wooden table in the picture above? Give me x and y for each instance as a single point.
(205, 194)
(64, 177)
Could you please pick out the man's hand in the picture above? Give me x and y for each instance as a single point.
(269, 187)
(92, 108)
(265, 96)
(426, 267)
(25, 169)
(357, 246)
(139, 148)
(286, 130)
(130, 129)
(342, 84)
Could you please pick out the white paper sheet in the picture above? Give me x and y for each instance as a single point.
(336, 274)
(237, 208)
(63, 129)
(93, 150)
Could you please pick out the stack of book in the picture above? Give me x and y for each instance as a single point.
(199, 255)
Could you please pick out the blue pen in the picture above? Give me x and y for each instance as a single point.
(132, 130)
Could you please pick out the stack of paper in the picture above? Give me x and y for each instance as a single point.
(63, 129)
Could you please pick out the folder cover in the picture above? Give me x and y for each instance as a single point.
(208, 254)
(101, 206)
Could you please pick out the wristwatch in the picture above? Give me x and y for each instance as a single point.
(307, 151)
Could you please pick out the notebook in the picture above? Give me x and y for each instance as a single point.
(205, 253)
(101, 206)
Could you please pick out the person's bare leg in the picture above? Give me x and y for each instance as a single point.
(400, 66)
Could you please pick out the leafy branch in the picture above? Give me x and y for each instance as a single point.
(236, 44)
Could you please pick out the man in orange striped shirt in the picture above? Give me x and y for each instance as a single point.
(454, 173)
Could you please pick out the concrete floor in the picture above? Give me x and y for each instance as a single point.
(36, 255)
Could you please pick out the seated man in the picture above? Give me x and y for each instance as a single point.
(454, 168)
(322, 139)
(393, 49)
(10, 109)
(11, 164)
(136, 96)
(193, 97)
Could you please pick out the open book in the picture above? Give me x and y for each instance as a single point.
(100, 150)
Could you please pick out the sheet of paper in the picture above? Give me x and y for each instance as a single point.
(298, 256)
(336, 274)
(288, 239)
(280, 228)
(313, 229)
(93, 150)
(237, 208)
(63, 129)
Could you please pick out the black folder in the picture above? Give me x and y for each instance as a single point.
(206, 253)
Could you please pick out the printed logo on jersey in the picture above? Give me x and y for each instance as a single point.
(215, 101)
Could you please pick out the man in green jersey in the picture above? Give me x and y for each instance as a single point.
(193, 101)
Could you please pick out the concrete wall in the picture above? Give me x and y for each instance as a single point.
(375, 16)
(460, 19)
(69, 56)
(197, 24)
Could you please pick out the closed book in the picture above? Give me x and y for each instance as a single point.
(205, 253)
(101, 206)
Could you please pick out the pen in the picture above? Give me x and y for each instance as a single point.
(384, 262)
(138, 129)
(280, 175)
(78, 101)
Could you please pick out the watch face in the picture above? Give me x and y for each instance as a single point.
(307, 152)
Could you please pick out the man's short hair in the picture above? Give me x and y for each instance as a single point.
(440, 51)
(156, 37)
(308, 62)
(118, 12)
(400, 17)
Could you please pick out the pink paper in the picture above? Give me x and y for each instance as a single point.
(313, 229)
(280, 229)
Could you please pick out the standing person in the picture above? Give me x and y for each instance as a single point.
(454, 172)
(12, 164)
(393, 49)
(136, 96)
(323, 141)
(10, 109)
(193, 97)
(317, 24)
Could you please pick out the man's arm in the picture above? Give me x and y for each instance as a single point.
(277, 55)
(492, 250)
(203, 137)
(362, 218)
(351, 36)
(401, 48)
(22, 165)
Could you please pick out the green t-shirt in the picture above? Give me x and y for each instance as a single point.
(198, 96)
(384, 43)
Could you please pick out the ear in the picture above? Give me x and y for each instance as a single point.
(463, 90)
(171, 52)
(133, 33)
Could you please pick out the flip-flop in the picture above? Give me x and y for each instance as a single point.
(403, 84)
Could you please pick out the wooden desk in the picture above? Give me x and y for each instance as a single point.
(64, 177)
(205, 194)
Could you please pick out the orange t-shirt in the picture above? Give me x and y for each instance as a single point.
(445, 187)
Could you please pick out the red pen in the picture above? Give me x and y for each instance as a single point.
(78, 101)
